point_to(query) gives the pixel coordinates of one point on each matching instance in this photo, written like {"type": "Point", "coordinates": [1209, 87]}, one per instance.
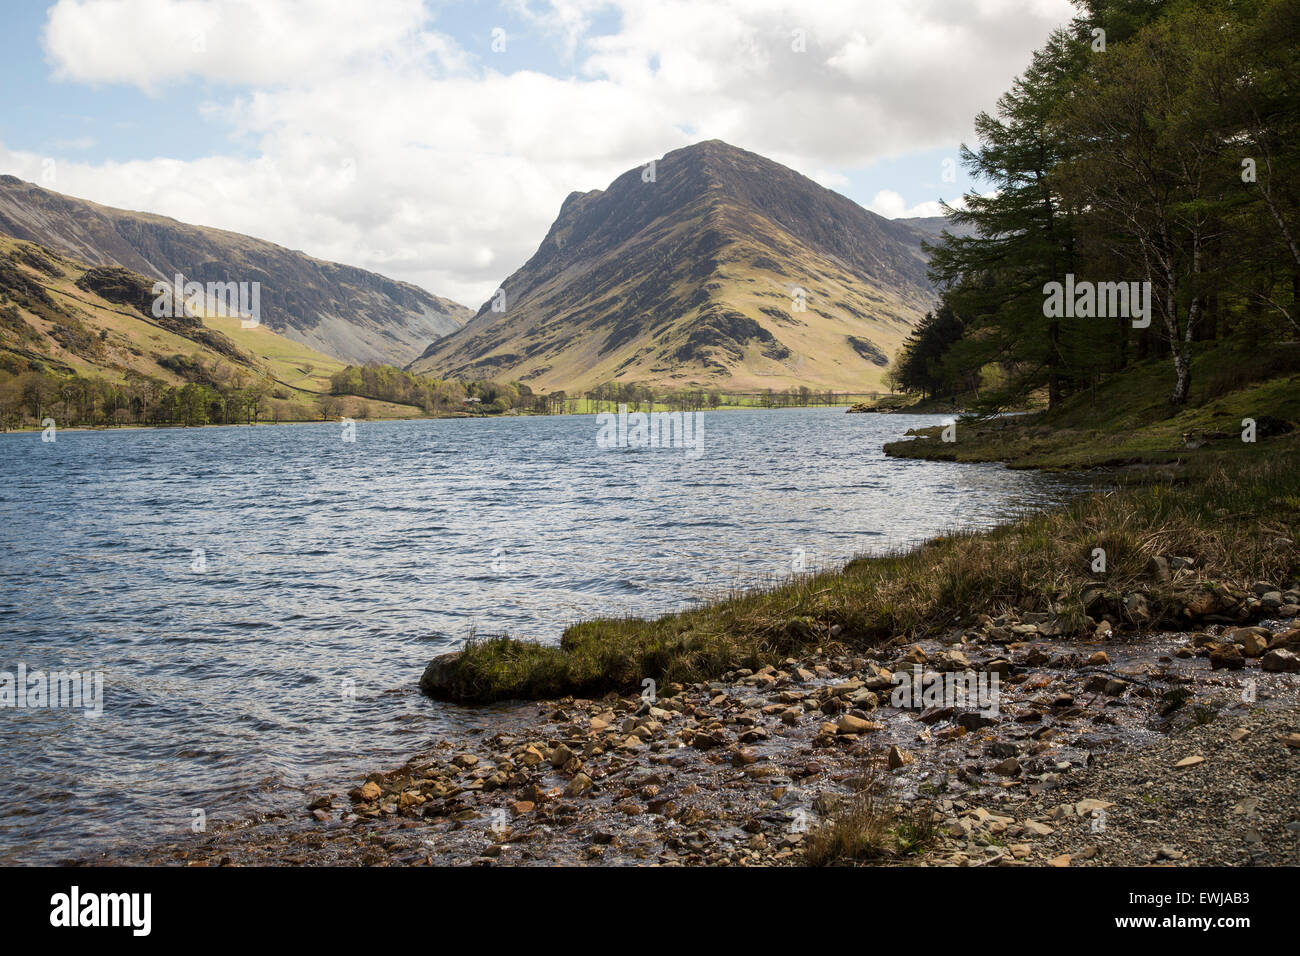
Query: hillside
{"type": "Point", "coordinates": [339, 310]}
{"type": "Point", "coordinates": [1128, 421]}
{"type": "Point", "coordinates": [692, 279]}
{"type": "Point", "coordinates": [64, 318]}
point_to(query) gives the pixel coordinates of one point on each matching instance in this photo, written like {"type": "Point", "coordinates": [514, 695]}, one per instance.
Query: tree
{"type": "Point", "coordinates": [1024, 234]}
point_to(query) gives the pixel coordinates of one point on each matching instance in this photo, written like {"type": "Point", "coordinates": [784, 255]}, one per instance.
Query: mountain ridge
{"type": "Point", "coordinates": [340, 310]}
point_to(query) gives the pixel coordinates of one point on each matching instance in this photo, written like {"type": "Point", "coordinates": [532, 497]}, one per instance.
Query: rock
{"type": "Point", "coordinates": [705, 740]}
{"type": "Point", "coordinates": [916, 655]}
{"type": "Point", "coordinates": [899, 758]}
{"type": "Point", "coordinates": [1062, 860]}
{"type": "Point", "coordinates": [1100, 659]}
{"type": "Point", "coordinates": [848, 724]}
{"type": "Point", "coordinates": [561, 755]}
{"type": "Point", "coordinates": [436, 681]}
{"type": "Point", "coordinates": [1158, 568]}
{"type": "Point", "coordinates": [1096, 684]}
{"type": "Point", "coordinates": [1280, 662]}
{"type": "Point", "coordinates": [1115, 687]}
{"type": "Point", "coordinates": [953, 660]}
{"type": "Point", "coordinates": [1291, 740]}
{"type": "Point", "coordinates": [1091, 805]}
{"type": "Point", "coordinates": [1193, 761]}
{"type": "Point", "coordinates": [1226, 657]}
{"type": "Point", "coordinates": [974, 720]}
{"type": "Point", "coordinates": [1255, 644]}
{"type": "Point", "coordinates": [1168, 852]}
{"type": "Point", "coordinates": [1007, 768]}
{"type": "Point", "coordinates": [580, 784]}
{"type": "Point", "coordinates": [367, 792]}
{"type": "Point", "coordinates": [1136, 609]}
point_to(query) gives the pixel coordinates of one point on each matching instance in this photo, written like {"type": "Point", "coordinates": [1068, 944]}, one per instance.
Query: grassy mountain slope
{"type": "Point", "coordinates": [339, 310]}
{"type": "Point", "coordinates": [691, 280]}
{"type": "Point", "coordinates": [66, 317]}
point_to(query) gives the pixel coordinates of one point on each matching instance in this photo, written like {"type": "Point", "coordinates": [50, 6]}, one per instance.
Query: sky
{"type": "Point", "coordinates": [434, 140]}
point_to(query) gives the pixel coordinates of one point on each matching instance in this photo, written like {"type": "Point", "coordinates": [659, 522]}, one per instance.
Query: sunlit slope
{"type": "Point", "coordinates": [333, 308]}
{"type": "Point", "coordinates": [63, 316]}
{"type": "Point", "coordinates": [723, 269]}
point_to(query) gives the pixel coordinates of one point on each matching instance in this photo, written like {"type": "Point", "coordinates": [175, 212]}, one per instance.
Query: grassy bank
{"type": "Point", "coordinates": [1236, 513]}
{"type": "Point", "coordinates": [1128, 420]}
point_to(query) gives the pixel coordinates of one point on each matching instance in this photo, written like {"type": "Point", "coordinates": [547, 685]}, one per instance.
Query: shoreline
{"type": "Point", "coordinates": [459, 416]}
{"type": "Point", "coordinates": [797, 755]}
{"type": "Point", "coordinates": [753, 770]}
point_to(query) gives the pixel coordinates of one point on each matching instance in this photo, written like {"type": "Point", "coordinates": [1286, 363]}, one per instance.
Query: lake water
{"type": "Point", "coordinates": [261, 601]}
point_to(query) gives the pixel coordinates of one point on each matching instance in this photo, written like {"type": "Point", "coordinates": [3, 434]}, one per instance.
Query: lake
{"type": "Point", "coordinates": [261, 601]}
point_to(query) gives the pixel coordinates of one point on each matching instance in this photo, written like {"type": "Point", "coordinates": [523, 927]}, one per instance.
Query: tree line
{"type": "Point", "coordinates": [1149, 148]}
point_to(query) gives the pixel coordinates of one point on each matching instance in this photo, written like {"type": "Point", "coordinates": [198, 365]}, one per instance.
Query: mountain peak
{"type": "Point", "coordinates": [694, 272]}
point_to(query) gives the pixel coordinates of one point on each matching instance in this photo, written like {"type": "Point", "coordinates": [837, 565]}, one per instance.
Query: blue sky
{"type": "Point", "coordinates": [392, 135]}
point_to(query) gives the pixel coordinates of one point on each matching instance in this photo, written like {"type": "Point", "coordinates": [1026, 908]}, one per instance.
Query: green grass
{"type": "Point", "coordinates": [1224, 511]}
{"type": "Point", "coordinates": [1128, 420]}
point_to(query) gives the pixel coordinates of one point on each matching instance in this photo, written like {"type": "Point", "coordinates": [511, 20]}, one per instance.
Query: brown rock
{"type": "Point", "coordinates": [1280, 662]}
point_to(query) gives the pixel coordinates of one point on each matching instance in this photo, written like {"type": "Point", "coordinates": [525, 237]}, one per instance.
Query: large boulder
{"type": "Point", "coordinates": [436, 680]}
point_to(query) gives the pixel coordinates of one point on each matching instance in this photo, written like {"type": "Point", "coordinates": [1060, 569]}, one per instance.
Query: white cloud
{"type": "Point", "coordinates": [891, 205]}
{"type": "Point", "coordinates": [382, 142]}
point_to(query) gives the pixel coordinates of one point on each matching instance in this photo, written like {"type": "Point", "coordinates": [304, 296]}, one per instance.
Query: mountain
{"type": "Point", "coordinates": [339, 310]}
{"type": "Point", "coordinates": [690, 276]}
{"type": "Point", "coordinates": [931, 227]}
{"type": "Point", "coordinates": [63, 316]}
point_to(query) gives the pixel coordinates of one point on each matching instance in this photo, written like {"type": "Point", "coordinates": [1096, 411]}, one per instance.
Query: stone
{"type": "Point", "coordinates": [1099, 659]}
{"type": "Point", "coordinates": [848, 724]}
{"type": "Point", "coordinates": [1091, 805]}
{"type": "Point", "coordinates": [899, 758]}
{"type": "Point", "coordinates": [580, 784]}
{"type": "Point", "coordinates": [1280, 662]}
{"type": "Point", "coordinates": [1253, 645]}
{"type": "Point", "coordinates": [1226, 657]}
{"type": "Point", "coordinates": [1291, 740]}
{"type": "Point", "coordinates": [366, 793]}
{"type": "Point", "coordinates": [1136, 608]}
{"type": "Point", "coordinates": [705, 740]}
{"type": "Point", "coordinates": [1007, 768]}
{"type": "Point", "coordinates": [436, 681]}
{"type": "Point", "coordinates": [1193, 761]}
{"type": "Point", "coordinates": [974, 720]}
{"type": "Point", "coordinates": [1062, 860]}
